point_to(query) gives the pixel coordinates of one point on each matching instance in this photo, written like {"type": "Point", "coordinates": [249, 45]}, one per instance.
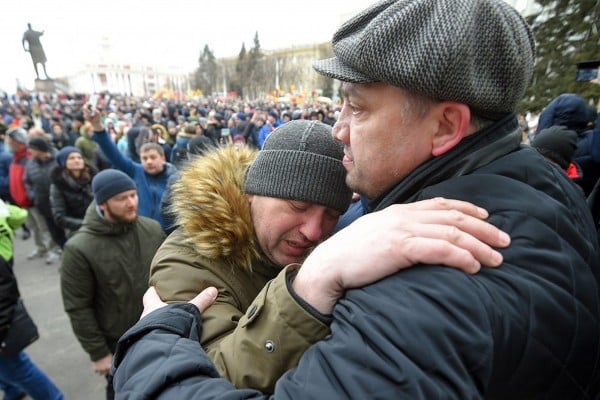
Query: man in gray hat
{"type": "Point", "coordinates": [246, 220]}
{"type": "Point", "coordinates": [430, 88]}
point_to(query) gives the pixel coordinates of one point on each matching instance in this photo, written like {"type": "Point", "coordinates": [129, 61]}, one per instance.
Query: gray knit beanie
{"type": "Point", "coordinates": [476, 52]}
{"type": "Point", "coordinates": [300, 160]}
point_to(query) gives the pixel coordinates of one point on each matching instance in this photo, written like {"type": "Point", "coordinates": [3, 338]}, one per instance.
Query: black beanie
{"type": "Point", "coordinates": [109, 183]}
{"type": "Point", "coordinates": [556, 143]}
{"type": "Point", "coordinates": [300, 160]}
{"type": "Point", "coordinates": [40, 144]}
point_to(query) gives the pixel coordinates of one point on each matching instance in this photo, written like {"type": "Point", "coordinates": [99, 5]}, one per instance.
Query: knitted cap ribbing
{"type": "Point", "coordinates": [300, 160]}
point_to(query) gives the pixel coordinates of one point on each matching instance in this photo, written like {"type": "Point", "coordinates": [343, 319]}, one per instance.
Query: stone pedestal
{"type": "Point", "coordinates": [44, 85]}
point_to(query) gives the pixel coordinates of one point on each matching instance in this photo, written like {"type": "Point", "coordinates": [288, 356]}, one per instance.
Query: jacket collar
{"type": "Point", "coordinates": [213, 212]}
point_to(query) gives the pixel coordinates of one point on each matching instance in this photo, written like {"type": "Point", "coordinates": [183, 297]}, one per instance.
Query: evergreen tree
{"type": "Point", "coordinates": [566, 32]}
{"type": "Point", "coordinates": [241, 66]}
{"type": "Point", "coordinates": [206, 73]}
{"type": "Point", "coordinates": [255, 78]}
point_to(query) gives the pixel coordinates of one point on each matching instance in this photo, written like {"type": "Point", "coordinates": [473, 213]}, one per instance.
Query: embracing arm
{"type": "Point", "coordinates": [272, 332]}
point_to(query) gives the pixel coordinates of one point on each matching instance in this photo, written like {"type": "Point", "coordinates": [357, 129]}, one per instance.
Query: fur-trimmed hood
{"type": "Point", "coordinates": [212, 209]}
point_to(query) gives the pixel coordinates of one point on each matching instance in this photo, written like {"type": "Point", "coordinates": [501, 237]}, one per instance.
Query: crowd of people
{"type": "Point", "coordinates": [415, 241]}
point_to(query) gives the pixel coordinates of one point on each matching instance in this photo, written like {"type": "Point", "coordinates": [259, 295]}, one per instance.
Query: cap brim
{"type": "Point", "coordinates": [334, 68]}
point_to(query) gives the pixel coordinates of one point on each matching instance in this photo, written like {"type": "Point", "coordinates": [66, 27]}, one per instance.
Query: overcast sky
{"type": "Point", "coordinates": [170, 32]}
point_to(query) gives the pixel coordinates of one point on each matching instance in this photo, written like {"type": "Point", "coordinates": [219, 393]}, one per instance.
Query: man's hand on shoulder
{"type": "Point", "coordinates": [436, 231]}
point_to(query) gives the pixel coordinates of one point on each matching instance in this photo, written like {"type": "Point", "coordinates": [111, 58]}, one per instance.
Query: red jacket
{"type": "Point", "coordinates": [16, 184]}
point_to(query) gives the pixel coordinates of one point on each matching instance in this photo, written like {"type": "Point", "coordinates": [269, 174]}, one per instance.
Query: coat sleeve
{"type": "Point", "coordinates": [9, 294]}
{"type": "Point", "coordinates": [369, 355]}
{"type": "Point", "coordinates": [273, 332]}
{"type": "Point", "coordinates": [77, 288]}
{"type": "Point", "coordinates": [160, 358]}
{"type": "Point", "coordinates": [114, 156]}
{"type": "Point", "coordinates": [59, 210]}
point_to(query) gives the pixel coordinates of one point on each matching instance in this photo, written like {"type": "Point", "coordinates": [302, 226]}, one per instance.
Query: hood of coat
{"type": "Point", "coordinates": [212, 209]}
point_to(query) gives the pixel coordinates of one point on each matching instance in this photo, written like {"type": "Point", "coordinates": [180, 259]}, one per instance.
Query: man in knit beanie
{"type": "Point", "coordinates": [245, 220]}
{"type": "Point", "coordinates": [430, 89]}
{"type": "Point", "coordinates": [105, 266]}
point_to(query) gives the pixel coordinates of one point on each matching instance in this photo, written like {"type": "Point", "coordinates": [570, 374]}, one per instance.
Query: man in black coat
{"type": "Point", "coordinates": [430, 90]}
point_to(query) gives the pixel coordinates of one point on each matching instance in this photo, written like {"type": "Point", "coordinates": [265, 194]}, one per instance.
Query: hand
{"type": "Point", "coordinates": [102, 366]}
{"type": "Point", "coordinates": [202, 301]}
{"type": "Point", "coordinates": [94, 118]}
{"type": "Point", "coordinates": [435, 231]}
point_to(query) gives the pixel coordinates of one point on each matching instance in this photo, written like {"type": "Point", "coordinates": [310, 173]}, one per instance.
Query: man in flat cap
{"type": "Point", "coordinates": [430, 90]}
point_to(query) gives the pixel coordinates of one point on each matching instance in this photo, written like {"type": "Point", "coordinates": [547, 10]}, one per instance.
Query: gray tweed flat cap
{"type": "Point", "coordinates": [477, 52]}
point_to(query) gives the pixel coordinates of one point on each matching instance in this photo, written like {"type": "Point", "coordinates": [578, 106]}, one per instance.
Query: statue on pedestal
{"type": "Point", "coordinates": [35, 49]}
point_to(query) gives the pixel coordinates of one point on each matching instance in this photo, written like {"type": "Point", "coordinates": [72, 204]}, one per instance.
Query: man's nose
{"type": "Point", "coordinates": [312, 228]}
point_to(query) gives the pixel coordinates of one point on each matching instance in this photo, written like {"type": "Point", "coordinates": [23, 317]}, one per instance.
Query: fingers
{"type": "Point", "coordinates": [449, 245]}
{"type": "Point", "coordinates": [150, 297]}
{"type": "Point", "coordinates": [441, 252]}
{"type": "Point", "coordinates": [205, 298]}
{"type": "Point", "coordinates": [462, 215]}
{"type": "Point", "coordinates": [151, 301]}
{"type": "Point", "coordinates": [440, 203]}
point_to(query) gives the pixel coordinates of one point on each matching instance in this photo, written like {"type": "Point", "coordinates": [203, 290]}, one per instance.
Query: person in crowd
{"type": "Point", "coordinates": [196, 146]}
{"type": "Point", "coordinates": [19, 376]}
{"type": "Point", "coordinates": [253, 130]}
{"type": "Point", "coordinates": [74, 128]}
{"type": "Point", "coordinates": [105, 267]}
{"type": "Point", "coordinates": [17, 142]}
{"type": "Point", "coordinates": [214, 127]}
{"type": "Point", "coordinates": [5, 161]}
{"type": "Point", "coordinates": [59, 138]}
{"type": "Point", "coordinates": [571, 111]}
{"type": "Point", "coordinates": [421, 119]}
{"type": "Point", "coordinates": [70, 188]}
{"type": "Point", "coordinates": [37, 184]}
{"type": "Point", "coordinates": [150, 176]}
{"type": "Point", "coordinates": [90, 150]}
{"type": "Point", "coordinates": [558, 145]}
{"type": "Point", "coordinates": [188, 131]}
{"type": "Point", "coordinates": [272, 122]}
{"type": "Point", "coordinates": [242, 217]}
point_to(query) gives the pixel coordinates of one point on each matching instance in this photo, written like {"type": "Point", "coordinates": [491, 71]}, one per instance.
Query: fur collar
{"type": "Point", "coordinates": [211, 207]}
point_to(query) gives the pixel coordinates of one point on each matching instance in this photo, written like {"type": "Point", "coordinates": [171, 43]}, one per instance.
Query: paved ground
{"type": "Point", "coordinates": [57, 352]}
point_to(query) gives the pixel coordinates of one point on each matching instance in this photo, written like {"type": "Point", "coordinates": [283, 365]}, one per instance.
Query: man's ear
{"type": "Point", "coordinates": [454, 119]}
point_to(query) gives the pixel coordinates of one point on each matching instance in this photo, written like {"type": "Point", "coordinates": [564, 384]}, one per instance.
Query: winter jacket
{"type": "Point", "coordinates": [528, 329]}
{"type": "Point", "coordinates": [5, 161]}
{"type": "Point", "coordinates": [70, 198]}
{"type": "Point", "coordinates": [103, 277]}
{"type": "Point", "coordinates": [16, 173]}
{"type": "Point", "coordinates": [37, 183]}
{"type": "Point", "coordinates": [150, 188]}
{"type": "Point", "coordinates": [215, 245]}
{"type": "Point", "coordinates": [11, 217]}
{"type": "Point", "coordinates": [571, 110]}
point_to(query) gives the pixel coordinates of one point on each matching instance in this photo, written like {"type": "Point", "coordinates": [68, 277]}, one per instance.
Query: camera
{"type": "Point", "coordinates": [587, 71]}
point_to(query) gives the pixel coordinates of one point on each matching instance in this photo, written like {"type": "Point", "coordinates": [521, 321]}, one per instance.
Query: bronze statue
{"type": "Point", "coordinates": [35, 49]}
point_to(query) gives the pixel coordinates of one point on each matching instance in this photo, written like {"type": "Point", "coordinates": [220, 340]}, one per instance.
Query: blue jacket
{"type": "Point", "coordinates": [5, 160]}
{"type": "Point", "coordinates": [528, 329]}
{"type": "Point", "coordinates": [150, 188]}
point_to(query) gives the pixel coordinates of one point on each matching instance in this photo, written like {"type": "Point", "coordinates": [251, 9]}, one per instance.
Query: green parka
{"type": "Point", "coordinates": [256, 330]}
{"type": "Point", "coordinates": [104, 274]}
